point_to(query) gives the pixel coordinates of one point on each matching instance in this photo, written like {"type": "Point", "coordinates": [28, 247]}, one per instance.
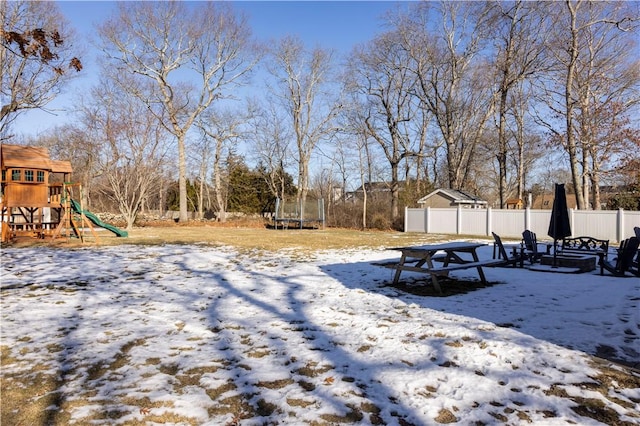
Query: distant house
{"type": "Point", "coordinates": [373, 189]}
{"type": "Point", "coordinates": [452, 198]}
{"type": "Point", "coordinates": [545, 201]}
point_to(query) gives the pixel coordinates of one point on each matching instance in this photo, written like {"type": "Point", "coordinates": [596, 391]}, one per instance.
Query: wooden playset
{"type": "Point", "coordinates": [37, 200]}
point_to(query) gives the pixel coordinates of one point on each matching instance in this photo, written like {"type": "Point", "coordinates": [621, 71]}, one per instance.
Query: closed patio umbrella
{"type": "Point", "coordinates": [559, 226]}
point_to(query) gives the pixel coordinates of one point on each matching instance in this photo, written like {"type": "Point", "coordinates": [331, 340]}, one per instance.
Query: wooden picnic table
{"type": "Point", "coordinates": [421, 259]}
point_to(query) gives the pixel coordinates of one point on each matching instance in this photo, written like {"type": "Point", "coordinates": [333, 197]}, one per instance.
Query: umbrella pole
{"type": "Point", "coordinates": [555, 232]}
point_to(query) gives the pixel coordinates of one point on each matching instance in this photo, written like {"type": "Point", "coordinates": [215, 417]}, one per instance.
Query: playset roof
{"type": "Point", "coordinates": [31, 157]}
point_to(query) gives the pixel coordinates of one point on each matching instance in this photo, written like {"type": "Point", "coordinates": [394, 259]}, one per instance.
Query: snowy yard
{"type": "Point", "coordinates": [204, 335]}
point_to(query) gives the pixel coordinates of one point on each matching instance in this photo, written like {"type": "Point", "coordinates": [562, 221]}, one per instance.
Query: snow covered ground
{"type": "Point", "coordinates": [217, 336]}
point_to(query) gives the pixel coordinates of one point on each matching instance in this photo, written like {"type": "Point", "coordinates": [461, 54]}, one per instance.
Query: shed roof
{"type": "Point", "coordinates": [31, 157]}
{"type": "Point", "coordinates": [455, 195]}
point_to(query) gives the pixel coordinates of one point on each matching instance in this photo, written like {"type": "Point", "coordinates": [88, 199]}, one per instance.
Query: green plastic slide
{"type": "Point", "coordinates": [96, 220]}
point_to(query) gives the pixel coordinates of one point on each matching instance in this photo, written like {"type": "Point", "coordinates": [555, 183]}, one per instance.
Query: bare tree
{"type": "Point", "coordinates": [341, 159]}
{"type": "Point", "coordinates": [202, 156]}
{"type": "Point", "coordinates": [579, 21]}
{"type": "Point", "coordinates": [529, 147]}
{"type": "Point", "coordinates": [364, 172]}
{"type": "Point", "coordinates": [610, 91]}
{"type": "Point", "coordinates": [271, 135]}
{"type": "Point", "coordinates": [358, 147]}
{"type": "Point", "coordinates": [189, 54]}
{"type": "Point", "coordinates": [517, 31]}
{"type": "Point", "coordinates": [378, 73]}
{"type": "Point", "coordinates": [303, 79]}
{"type": "Point", "coordinates": [426, 149]}
{"type": "Point", "coordinates": [133, 146]}
{"type": "Point", "coordinates": [452, 80]}
{"type": "Point", "coordinates": [35, 57]}
{"type": "Point", "coordinates": [220, 129]}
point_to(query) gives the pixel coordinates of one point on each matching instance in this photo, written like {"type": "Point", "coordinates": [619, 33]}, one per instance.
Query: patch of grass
{"type": "Point", "coordinates": [592, 407]}
{"type": "Point", "coordinates": [304, 241]}
{"type": "Point", "coordinates": [5, 355]}
{"type": "Point", "coordinates": [258, 353]}
{"type": "Point", "coordinates": [238, 405]}
{"type": "Point", "coordinates": [313, 370]}
{"type": "Point", "coordinates": [215, 394]}
{"type": "Point", "coordinates": [275, 384]}
{"type": "Point", "coordinates": [296, 402]}
{"type": "Point", "coordinates": [445, 416]}
{"type": "Point", "coordinates": [32, 399]}
{"type": "Point", "coordinates": [354, 415]}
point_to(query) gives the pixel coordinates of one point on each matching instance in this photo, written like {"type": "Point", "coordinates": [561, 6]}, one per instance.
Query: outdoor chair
{"type": "Point", "coordinates": [635, 266]}
{"type": "Point", "coordinates": [517, 256]}
{"type": "Point", "coordinates": [624, 262]}
{"type": "Point", "coordinates": [531, 246]}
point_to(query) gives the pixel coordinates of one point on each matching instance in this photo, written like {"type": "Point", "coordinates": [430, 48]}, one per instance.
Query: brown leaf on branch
{"type": "Point", "coordinates": [75, 64]}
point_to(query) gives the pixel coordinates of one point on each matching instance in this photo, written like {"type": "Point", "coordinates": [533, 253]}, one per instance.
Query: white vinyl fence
{"type": "Point", "coordinates": [612, 225]}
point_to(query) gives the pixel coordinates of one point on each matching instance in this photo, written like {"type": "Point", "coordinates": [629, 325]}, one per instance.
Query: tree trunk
{"type": "Point", "coordinates": [394, 191]}
{"type": "Point", "coordinates": [182, 179]}
{"type": "Point", "coordinates": [502, 143]}
{"type": "Point", "coordinates": [569, 106]}
{"type": "Point", "coordinates": [217, 184]}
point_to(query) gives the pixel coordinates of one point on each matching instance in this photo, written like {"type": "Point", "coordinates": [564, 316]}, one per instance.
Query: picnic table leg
{"type": "Point", "coordinates": [434, 277]}
{"type": "Point", "coordinates": [396, 277]}
{"type": "Point", "coordinates": [481, 273]}
{"type": "Point", "coordinates": [435, 283]}
{"type": "Point", "coordinates": [479, 268]}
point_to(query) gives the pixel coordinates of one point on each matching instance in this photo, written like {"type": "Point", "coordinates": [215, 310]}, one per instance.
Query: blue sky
{"type": "Point", "coordinates": [338, 25]}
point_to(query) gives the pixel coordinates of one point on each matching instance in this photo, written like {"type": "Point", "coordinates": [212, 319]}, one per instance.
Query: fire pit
{"type": "Point", "coordinates": [581, 262]}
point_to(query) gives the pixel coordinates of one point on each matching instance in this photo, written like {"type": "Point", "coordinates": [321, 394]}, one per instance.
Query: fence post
{"type": "Point", "coordinates": [489, 220]}
{"type": "Point", "coordinates": [527, 218]}
{"type": "Point", "coordinates": [571, 221]}
{"type": "Point", "coordinates": [427, 219]}
{"type": "Point", "coordinates": [459, 220]}
{"type": "Point", "coordinates": [620, 225]}
{"type": "Point", "coordinates": [406, 217]}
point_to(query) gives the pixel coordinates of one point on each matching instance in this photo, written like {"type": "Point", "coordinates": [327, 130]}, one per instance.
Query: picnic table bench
{"type": "Point", "coordinates": [421, 259]}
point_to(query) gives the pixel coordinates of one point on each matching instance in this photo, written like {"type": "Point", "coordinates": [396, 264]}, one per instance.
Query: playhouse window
{"type": "Point", "coordinates": [16, 174]}
{"type": "Point", "coordinates": [40, 176]}
{"type": "Point", "coordinates": [28, 175]}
